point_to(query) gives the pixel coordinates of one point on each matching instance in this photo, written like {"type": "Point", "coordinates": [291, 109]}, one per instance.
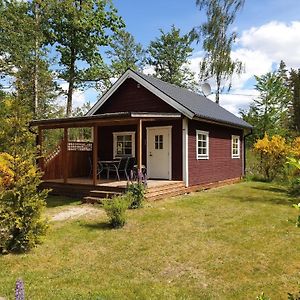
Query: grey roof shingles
{"type": "Point", "coordinates": [199, 105]}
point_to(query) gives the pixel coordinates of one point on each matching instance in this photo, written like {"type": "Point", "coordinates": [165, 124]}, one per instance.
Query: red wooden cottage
{"type": "Point", "coordinates": [184, 141]}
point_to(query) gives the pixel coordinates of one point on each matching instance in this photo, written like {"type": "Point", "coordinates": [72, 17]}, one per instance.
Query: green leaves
{"type": "Point", "coordinates": [21, 204]}
{"type": "Point", "coordinates": [217, 42]}
{"type": "Point", "coordinates": [77, 29]}
{"type": "Point", "coordinates": [169, 56]}
{"type": "Point", "coordinates": [125, 53]}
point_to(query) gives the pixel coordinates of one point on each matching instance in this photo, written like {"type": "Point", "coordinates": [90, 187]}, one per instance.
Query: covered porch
{"type": "Point", "coordinates": [75, 163]}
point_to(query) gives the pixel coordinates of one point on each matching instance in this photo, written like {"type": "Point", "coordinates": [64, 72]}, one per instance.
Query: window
{"type": "Point", "coordinates": [159, 142]}
{"type": "Point", "coordinates": [124, 144]}
{"type": "Point", "coordinates": [235, 146]}
{"type": "Point", "coordinates": [202, 146]}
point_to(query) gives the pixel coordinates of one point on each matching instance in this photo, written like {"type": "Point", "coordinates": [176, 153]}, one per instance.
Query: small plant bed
{"type": "Point", "coordinates": [233, 242]}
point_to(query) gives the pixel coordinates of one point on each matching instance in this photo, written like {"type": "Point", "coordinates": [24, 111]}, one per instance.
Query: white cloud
{"type": "Point", "coordinates": [255, 62]}
{"type": "Point", "coordinates": [259, 49]}
{"type": "Point", "coordinates": [277, 40]}
{"type": "Point", "coordinates": [236, 100]}
{"type": "Point", "coordinates": [79, 97]}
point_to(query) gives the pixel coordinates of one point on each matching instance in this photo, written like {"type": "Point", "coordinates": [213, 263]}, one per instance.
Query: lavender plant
{"type": "Point", "coordinates": [20, 291]}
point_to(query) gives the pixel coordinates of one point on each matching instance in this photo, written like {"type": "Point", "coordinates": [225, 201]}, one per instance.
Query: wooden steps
{"type": "Point", "coordinates": [164, 191]}
{"type": "Point", "coordinates": [103, 192]}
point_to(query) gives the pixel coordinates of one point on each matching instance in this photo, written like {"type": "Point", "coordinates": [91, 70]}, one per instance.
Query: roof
{"type": "Point", "coordinates": [101, 118]}
{"type": "Point", "coordinates": [201, 106]}
{"type": "Point", "coordinates": [190, 104]}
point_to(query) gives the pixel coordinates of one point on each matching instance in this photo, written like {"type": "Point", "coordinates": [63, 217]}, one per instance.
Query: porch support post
{"type": "Point", "coordinates": [40, 144]}
{"type": "Point", "coordinates": [139, 145]}
{"type": "Point", "coordinates": [95, 154]}
{"type": "Point", "coordinates": [65, 155]}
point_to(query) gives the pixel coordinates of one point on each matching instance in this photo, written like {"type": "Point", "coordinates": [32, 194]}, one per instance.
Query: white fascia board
{"type": "Point", "coordinates": [148, 86]}
{"type": "Point", "coordinates": [162, 95]}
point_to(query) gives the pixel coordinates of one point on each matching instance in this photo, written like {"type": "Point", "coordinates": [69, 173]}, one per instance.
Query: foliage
{"type": "Point", "coordinates": [20, 291]}
{"type": "Point", "coordinates": [294, 296]}
{"type": "Point", "coordinates": [21, 204]}
{"type": "Point", "coordinates": [273, 152]}
{"type": "Point", "coordinates": [23, 62]}
{"type": "Point", "coordinates": [294, 83]}
{"type": "Point", "coordinates": [136, 193]}
{"type": "Point", "coordinates": [115, 209]}
{"type": "Point", "coordinates": [6, 173]}
{"type": "Point", "coordinates": [169, 55]}
{"type": "Point", "coordinates": [297, 206]}
{"type": "Point", "coordinates": [262, 296]}
{"type": "Point", "coordinates": [295, 182]}
{"type": "Point", "coordinates": [77, 29]}
{"type": "Point", "coordinates": [269, 111]}
{"type": "Point", "coordinates": [125, 53]}
{"type": "Point", "coordinates": [218, 39]}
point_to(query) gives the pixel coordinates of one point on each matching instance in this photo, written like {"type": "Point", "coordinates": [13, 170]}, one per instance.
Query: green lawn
{"type": "Point", "coordinates": [227, 243]}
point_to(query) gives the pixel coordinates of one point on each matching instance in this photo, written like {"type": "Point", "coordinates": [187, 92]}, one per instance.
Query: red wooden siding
{"type": "Point", "coordinates": [105, 147]}
{"type": "Point", "coordinates": [129, 97]}
{"type": "Point", "coordinates": [105, 140]}
{"type": "Point", "coordinates": [220, 166]}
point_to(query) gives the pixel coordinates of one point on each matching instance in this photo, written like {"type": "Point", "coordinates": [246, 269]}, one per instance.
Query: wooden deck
{"type": "Point", "coordinates": [83, 187]}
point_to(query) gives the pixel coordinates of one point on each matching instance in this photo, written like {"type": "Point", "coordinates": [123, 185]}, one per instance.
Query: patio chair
{"type": "Point", "coordinates": [120, 167]}
{"type": "Point", "coordinates": [99, 168]}
{"type": "Point", "coordinates": [130, 168]}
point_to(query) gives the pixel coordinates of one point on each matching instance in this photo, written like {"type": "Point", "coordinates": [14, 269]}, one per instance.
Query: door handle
{"type": "Point", "coordinates": [150, 154]}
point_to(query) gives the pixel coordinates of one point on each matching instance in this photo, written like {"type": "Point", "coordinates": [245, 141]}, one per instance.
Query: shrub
{"type": "Point", "coordinates": [294, 296]}
{"type": "Point", "coordinates": [295, 181]}
{"type": "Point", "coordinates": [262, 297]}
{"type": "Point", "coordinates": [136, 195]}
{"type": "Point", "coordinates": [273, 154]}
{"type": "Point", "coordinates": [21, 204]}
{"type": "Point", "coordinates": [115, 209]}
{"type": "Point", "coordinates": [297, 206]}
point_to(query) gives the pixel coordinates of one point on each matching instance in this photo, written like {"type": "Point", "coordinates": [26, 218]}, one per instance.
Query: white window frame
{"type": "Point", "coordinates": [202, 156]}
{"type": "Point", "coordinates": [123, 133]}
{"type": "Point", "coordinates": [238, 155]}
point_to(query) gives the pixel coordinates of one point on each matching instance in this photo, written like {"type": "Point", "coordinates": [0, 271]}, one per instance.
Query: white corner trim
{"type": "Point", "coordinates": [185, 151]}
{"type": "Point", "coordinates": [199, 156]}
{"type": "Point", "coordinates": [148, 86]}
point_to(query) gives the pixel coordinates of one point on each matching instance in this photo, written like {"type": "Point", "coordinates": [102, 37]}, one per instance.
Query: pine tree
{"type": "Point", "coordinates": [125, 53]}
{"type": "Point", "coordinates": [169, 55]}
{"type": "Point", "coordinates": [23, 55]}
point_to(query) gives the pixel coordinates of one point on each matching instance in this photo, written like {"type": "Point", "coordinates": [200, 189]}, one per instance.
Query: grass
{"type": "Point", "coordinates": [228, 243]}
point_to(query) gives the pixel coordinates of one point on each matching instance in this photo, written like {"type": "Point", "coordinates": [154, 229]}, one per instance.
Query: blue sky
{"type": "Point", "coordinates": [269, 30]}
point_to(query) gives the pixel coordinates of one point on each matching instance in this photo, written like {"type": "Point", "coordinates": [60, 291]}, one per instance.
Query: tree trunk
{"type": "Point", "coordinates": [36, 61]}
{"type": "Point", "coordinates": [71, 83]}
{"type": "Point", "coordinates": [218, 89]}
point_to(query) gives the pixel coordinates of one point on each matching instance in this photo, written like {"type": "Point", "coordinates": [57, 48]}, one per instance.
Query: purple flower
{"type": "Point", "coordinates": [20, 292]}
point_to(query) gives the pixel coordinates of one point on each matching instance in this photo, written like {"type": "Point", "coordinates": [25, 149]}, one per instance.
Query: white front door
{"type": "Point", "coordinates": [159, 152]}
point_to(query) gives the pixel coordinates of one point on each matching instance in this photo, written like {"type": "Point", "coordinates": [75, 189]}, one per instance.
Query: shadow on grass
{"type": "Point", "coordinates": [98, 226]}
{"type": "Point", "coordinates": [55, 201]}
{"type": "Point", "coordinates": [280, 195]}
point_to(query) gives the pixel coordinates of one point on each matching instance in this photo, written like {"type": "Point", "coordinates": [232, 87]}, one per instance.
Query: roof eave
{"type": "Point", "coordinates": [222, 123]}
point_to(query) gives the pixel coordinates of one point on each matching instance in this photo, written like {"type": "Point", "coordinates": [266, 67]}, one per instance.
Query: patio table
{"type": "Point", "coordinates": [107, 164]}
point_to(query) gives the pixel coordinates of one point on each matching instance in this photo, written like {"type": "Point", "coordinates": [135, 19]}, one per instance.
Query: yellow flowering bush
{"type": "Point", "coordinates": [273, 152]}
{"type": "Point", "coordinates": [295, 151]}
{"type": "Point", "coordinates": [6, 174]}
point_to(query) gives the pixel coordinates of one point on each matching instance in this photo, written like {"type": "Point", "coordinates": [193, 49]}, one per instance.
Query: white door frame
{"type": "Point", "coordinates": [170, 147]}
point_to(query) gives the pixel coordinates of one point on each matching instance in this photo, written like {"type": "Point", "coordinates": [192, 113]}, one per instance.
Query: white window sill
{"type": "Point", "coordinates": [202, 157]}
